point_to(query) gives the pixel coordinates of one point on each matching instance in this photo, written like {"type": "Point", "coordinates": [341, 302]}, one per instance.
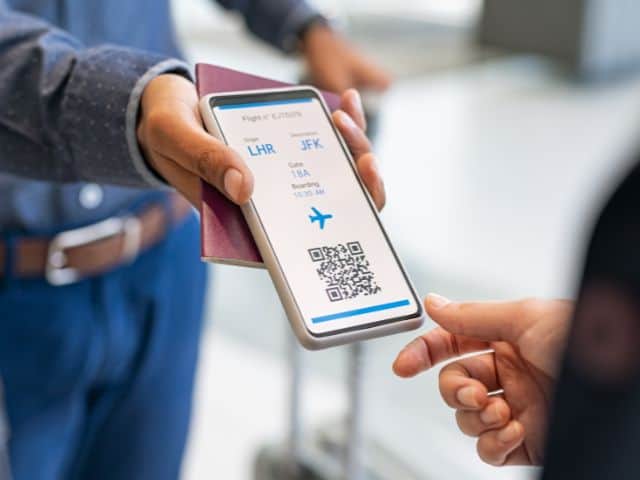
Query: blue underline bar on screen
{"type": "Point", "coordinates": [361, 311]}
{"type": "Point", "coordinates": [233, 106]}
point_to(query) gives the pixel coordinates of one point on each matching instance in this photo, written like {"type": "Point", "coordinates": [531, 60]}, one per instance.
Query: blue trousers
{"type": "Point", "coordinates": [99, 375]}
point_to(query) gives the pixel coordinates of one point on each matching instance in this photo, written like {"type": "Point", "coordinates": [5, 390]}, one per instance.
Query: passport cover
{"type": "Point", "coordinates": [225, 235]}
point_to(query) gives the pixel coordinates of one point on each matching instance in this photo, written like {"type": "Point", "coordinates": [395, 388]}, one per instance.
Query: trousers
{"type": "Point", "coordinates": [98, 375]}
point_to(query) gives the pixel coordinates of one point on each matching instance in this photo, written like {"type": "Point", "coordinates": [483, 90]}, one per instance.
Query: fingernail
{"type": "Point", "coordinates": [413, 347]}
{"type": "Point", "coordinates": [490, 415]}
{"type": "Point", "coordinates": [357, 100]}
{"type": "Point", "coordinates": [467, 397]}
{"type": "Point", "coordinates": [346, 120]}
{"type": "Point", "coordinates": [233, 183]}
{"type": "Point", "coordinates": [437, 301]}
{"type": "Point", "coordinates": [509, 434]}
{"type": "Point", "coordinates": [375, 167]}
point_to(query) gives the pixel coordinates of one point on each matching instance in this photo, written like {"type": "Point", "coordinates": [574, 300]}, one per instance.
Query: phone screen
{"type": "Point", "coordinates": [338, 262]}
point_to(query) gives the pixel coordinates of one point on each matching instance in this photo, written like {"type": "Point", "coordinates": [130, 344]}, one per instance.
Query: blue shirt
{"type": "Point", "coordinates": [71, 76]}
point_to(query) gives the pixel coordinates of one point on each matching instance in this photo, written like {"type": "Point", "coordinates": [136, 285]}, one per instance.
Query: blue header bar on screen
{"type": "Point", "coordinates": [264, 104]}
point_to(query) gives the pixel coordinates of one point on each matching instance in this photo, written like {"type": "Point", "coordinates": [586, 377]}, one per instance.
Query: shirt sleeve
{"type": "Point", "coordinates": [275, 21]}
{"type": "Point", "coordinates": [69, 113]}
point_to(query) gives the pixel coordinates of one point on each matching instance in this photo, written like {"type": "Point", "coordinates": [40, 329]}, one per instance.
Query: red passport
{"type": "Point", "coordinates": [225, 235]}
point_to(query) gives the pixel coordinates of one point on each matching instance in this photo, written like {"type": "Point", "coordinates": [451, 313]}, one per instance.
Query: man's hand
{"type": "Point", "coordinates": [177, 147]}
{"type": "Point", "coordinates": [527, 338]}
{"type": "Point", "coordinates": [335, 65]}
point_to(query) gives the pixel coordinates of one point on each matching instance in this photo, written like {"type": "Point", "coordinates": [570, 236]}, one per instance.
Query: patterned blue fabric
{"type": "Point", "coordinates": [71, 73]}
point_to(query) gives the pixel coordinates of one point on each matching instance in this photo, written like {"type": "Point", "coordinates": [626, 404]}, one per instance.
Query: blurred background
{"type": "Point", "coordinates": [507, 124]}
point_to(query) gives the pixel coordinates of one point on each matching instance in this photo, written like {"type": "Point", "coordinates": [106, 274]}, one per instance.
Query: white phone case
{"type": "Point", "coordinates": [306, 338]}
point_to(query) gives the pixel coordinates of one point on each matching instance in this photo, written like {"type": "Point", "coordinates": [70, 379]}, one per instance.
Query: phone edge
{"type": "Point", "coordinates": [306, 338]}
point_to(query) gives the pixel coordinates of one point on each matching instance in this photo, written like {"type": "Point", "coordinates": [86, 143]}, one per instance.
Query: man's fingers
{"type": "Point", "coordinates": [465, 384]}
{"type": "Point", "coordinates": [369, 75]}
{"type": "Point", "coordinates": [187, 183]}
{"type": "Point", "coordinates": [495, 446]}
{"type": "Point", "coordinates": [489, 321]}
{"type": "Point", "coordinates": [434, 347]}
{"type": "Point", "coordinates": [179, 135]}
{"type": "Point", "coordinates": [494, 415]}
{"type": "Point", "coordinates": [328, 77]}
{"type": "Point", "coordinates": [351, 104]}
{"type": "Point", "coordinates": [483, 368]}
{"type": "Point", "coordinates": [170, 130]}
{"type": "Point", "coordinates": [351, 127]}
{"type": "Point", "coordinates": [353, 135]}
{"type": "Point", "coordinates": [461, 391]}
{"type": "Point", "coordinates": [368, 170]}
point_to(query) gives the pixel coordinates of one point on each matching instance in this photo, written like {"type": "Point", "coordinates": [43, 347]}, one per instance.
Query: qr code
{"type": "Point", "coordinates": [345, 271]}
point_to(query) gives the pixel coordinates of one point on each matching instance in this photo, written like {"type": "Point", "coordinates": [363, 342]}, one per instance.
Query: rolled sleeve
{"type": "Point", "coordinates": [298, 17]}
{"type": "Point", "coordinates": [275, 21]}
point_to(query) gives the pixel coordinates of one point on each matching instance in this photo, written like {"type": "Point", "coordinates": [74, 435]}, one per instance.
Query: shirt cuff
{"type": "Point", "coordinates": [99, 114]}
{"type": "Point", "coordinates": [133, 108]}
{"type": "Point", "coordinates": [298, 18]}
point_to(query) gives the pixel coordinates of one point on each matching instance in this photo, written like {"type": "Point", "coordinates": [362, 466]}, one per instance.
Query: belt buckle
{"type": "Point", "coordinates": [58, 273]}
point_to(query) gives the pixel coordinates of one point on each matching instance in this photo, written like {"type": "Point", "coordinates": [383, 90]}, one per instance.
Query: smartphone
{"type": "Point", "coordinates": [317, 229]}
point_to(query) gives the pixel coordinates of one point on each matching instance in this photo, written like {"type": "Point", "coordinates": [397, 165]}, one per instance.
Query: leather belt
{"type": "Point", "coordinates": [75, 254]}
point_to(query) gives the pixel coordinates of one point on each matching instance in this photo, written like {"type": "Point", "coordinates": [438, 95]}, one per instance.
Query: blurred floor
{"type": "Point", "coordinates": [241, 405]}
{"type": "Point", "coordinates": [494, 167]}
{"type": "Point", "coordinates": [242, 395]}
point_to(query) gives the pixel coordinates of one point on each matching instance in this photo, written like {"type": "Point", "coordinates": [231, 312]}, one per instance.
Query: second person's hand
{"type": "Point", "coordinates": [335, 65]}
{"type": "Point", "coordinates": [177, 146]}
{"type": "Point", "coordinates": [527, 338]}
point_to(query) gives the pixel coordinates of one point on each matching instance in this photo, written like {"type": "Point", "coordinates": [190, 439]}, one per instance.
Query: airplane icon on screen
{"type": "Point", "coordinates": [319, 217]}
